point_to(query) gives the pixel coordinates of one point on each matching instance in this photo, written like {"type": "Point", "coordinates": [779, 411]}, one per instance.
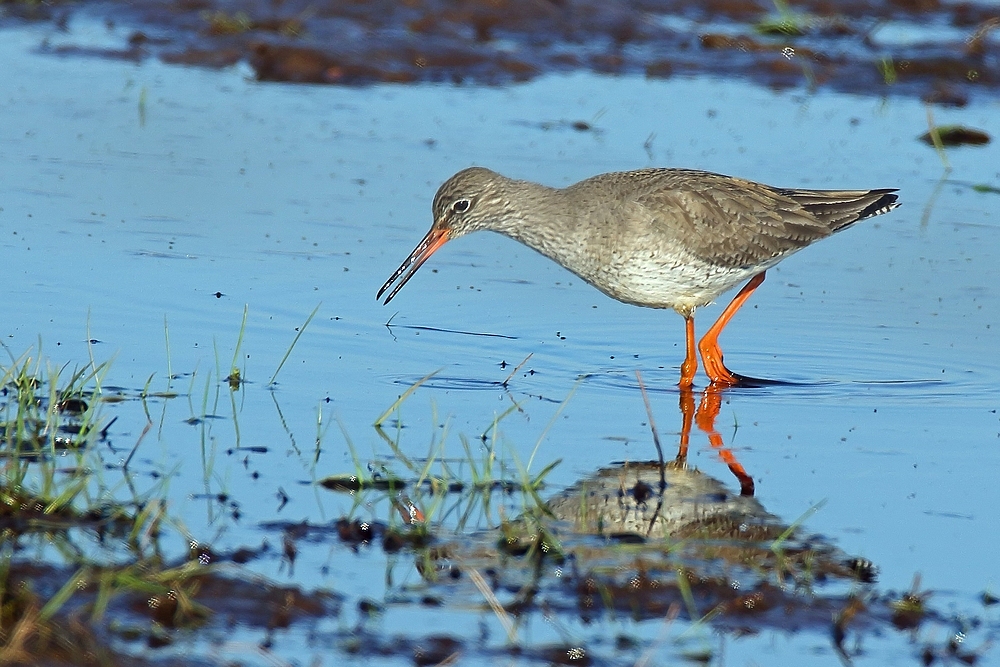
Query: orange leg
{"type": "Point", "coordinates": [711, 354]}
{"type": "Point", "coordinates": [690, 365]}
{"type": "Point", "coordinates": [708, 410]}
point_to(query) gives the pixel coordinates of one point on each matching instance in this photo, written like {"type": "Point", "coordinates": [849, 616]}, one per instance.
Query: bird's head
{"type": "Point", "coordinates": [467, 202]}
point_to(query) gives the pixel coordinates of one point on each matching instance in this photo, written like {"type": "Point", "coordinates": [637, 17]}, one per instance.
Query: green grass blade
{"type": "Point", "coordinates": [405, 395]}
{"type": "Point", "coordinates": [295, 340]}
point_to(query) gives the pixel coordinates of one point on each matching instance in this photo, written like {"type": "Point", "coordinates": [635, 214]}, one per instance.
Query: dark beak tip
{"type": "Point", "coordinates": [411, 264]}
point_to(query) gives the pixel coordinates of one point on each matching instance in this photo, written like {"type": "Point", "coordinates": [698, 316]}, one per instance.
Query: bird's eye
{"type": "Point", "coordinates": [461, 205]}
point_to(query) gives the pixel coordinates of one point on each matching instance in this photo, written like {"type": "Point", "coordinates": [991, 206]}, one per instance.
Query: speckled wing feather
{"type": "Point", "coordinates": [736, 223]}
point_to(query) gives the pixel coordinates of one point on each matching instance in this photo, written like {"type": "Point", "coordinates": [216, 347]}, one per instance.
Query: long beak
{"type": "Point", "coordinates": [430, 243]}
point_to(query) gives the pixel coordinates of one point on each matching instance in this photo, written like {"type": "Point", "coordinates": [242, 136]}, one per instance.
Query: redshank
{"type": "Point", "coordinates": [660, 238]}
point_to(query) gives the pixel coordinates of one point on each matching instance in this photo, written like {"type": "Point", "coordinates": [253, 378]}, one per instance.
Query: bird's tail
{"type": "Point", "coordinates": [841, 208]}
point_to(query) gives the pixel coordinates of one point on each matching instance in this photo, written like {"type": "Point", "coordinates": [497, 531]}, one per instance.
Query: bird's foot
{"type": "Point", "coordinates": [718, 373]}
{"type": "Point", "coordinates": [745, 381]}
{"type": "Point", "coordinates": [731, 380]}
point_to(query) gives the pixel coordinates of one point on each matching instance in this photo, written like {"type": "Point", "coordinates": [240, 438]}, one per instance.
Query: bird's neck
{"type": "Point", "coordinates": [541, 218]}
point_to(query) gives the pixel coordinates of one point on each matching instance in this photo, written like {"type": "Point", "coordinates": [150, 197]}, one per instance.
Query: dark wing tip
{"type": "Point", "coordinates": [883, 204]}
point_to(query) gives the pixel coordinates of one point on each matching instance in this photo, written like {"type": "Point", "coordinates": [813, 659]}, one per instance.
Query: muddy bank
{"type": "Point", "coordinates": [941, 52]}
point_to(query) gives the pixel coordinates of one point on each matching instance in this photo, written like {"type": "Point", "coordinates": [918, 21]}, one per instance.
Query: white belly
{"type": "Point", "coordinates": [668, 280]}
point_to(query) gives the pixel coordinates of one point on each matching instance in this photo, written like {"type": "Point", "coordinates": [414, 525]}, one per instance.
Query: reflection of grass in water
{"type": "Point", "coordinates": [43, 415]}
{"type": "Point", "coordinates": [472, 481]}
{"type": "Point", "coordinates": [46, 412]}
{"type": "Point", "coordinates": [693, 570]}
{"type": "Point", "coordinates": [934, 135]}
{"type": "Point", "coordinates": [101, 540]}
{"type": "Point", "coordinates": [438, 508]}
{"type": "Point", "coordinates": [436, 498]}
{"type": "Point", "coordinates": [46, 415]}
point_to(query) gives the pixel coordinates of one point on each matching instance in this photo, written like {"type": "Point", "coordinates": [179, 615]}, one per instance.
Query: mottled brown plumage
{"type": "Point", "coordinates": [661, 238]}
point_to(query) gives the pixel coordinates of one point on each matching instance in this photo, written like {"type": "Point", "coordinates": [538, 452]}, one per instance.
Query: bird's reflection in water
{"type": "Point", "coordinates": [666, 497]}
{"type": "Point", "coordinates": [704, 417]}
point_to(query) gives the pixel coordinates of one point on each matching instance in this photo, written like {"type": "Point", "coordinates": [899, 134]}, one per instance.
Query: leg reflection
{"type": "Point", "coordinates": [704, 417]}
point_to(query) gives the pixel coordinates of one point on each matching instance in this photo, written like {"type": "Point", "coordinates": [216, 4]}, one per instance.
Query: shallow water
{"type": "Point", "coordinates": [132, 194]}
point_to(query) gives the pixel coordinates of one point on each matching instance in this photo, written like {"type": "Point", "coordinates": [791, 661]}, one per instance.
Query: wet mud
{"type": "Point", "coordinates": [941, 52]}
